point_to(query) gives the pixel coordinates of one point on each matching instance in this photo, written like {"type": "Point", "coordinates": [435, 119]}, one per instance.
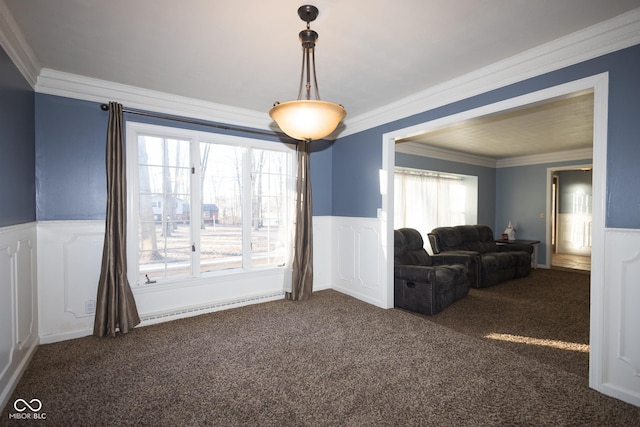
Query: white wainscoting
{"type": "Point", "coordinates": [18, 304]}
{"type": "Point", "coordinates": [322, 252]}
{"type": "Point", "coordinates": [69, 259]}
{"type": "Point", "coordinates": [357, 259]}
{"type": "Point", "coordinates": [618, 302]}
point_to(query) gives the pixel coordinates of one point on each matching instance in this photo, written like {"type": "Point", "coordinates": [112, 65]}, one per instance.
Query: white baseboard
{"type": "Point", "coordinates": [16, 373]}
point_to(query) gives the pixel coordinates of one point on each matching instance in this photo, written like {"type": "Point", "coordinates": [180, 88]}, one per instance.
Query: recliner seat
{"type": "Point", "coordinates": [423, 283]}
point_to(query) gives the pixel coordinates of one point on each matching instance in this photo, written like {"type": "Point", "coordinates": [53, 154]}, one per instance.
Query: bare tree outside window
{"type": "Point", "coordinates": [170, 246]}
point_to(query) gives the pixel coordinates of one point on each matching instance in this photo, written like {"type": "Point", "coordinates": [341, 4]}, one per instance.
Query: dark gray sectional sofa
{"type": "Point", "coordinates": [490, 263]}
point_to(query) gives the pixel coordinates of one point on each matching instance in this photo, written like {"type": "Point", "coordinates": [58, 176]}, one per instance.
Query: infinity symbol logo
{"type": "Point", "coordinates": [21, 405]}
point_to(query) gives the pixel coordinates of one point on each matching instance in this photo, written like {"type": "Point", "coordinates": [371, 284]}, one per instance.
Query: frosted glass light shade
{"type": "Point", "coordinates": [307, 119]}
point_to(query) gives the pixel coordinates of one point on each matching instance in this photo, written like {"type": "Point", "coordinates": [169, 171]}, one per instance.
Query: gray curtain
{"type": "Point", "coordinates": [115, 306]}
{"type": "Point", "coordinates": [302, 280]}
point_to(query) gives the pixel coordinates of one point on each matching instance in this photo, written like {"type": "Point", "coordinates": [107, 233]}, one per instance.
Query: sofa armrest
{"type": "Point", "coordinates": [415, 273]}
{"type": "Point", "coordinates": [458, 257]}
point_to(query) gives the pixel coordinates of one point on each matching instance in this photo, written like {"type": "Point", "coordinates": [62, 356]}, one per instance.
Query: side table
{"type": "Point", "coordinates": [534, 243]}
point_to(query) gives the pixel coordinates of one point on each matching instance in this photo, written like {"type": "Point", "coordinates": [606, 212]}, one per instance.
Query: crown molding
{"type": "Point", "coordinates": [59, 83]}
{"type": "Point", "coordinates": [609, 36]}
{"type": "Point", "coordinates": [13, 42]}
{"type": "Point", "coordinates": [417, 149]}
{"type": "Point", "coordinates": [537, 159]}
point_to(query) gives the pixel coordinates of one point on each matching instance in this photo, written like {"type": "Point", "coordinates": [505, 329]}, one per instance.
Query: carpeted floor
{"type": "Point", "coordinates": [329, 361]}
{"type": "Point", "coordinates": [544, 316]}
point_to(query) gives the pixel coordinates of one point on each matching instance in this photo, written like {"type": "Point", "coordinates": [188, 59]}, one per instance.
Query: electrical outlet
{"type": "Point", "coordinates": [90, 306]}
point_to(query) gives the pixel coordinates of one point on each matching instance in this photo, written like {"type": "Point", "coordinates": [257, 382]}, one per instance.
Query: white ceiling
{"type": "Point", "coordinates": [555, 125]}
{"type": "Point", "coordinates": [246, 53]}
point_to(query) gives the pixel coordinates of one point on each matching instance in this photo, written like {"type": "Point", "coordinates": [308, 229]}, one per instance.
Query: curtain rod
{"type": "Point", "coordinates": [105, 107]}
{"type": "Point", "coordinates": [425, 173]}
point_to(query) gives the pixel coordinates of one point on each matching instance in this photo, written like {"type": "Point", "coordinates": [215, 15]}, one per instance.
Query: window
{"type": "Point", "coordinates": [202, 203]}
{"type": "Point", "coordinates": [425, 199]}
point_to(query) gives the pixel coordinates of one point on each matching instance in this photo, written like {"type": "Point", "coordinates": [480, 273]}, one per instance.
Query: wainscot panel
{"type": "Point", "coordinates": [357, 257]}
{"type": "Point", "coordinates": [18, 304]}
{"type": "Point", "coordinates": [69, 259]}
{"type": "Point", "coordinates": [322, 250]}
{"type": "Point", "coordinates": [619, 302]}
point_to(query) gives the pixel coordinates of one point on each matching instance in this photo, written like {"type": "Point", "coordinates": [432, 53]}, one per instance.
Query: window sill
{"type": "Point", "coordinates": [212, 278]}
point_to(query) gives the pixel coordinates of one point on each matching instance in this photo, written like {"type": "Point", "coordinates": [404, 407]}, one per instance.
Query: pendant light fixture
{"type": "Point", "coordinates": [307, 119]}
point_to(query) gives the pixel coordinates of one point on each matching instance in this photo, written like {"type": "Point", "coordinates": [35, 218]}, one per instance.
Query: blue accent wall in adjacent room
{"type": "Point", "coordinates": [17, 146]}
{"type": "Point", "coordinates": [521, 196]}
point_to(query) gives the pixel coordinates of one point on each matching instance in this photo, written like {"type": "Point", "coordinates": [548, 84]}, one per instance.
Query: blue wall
{"type": "Point", "coordinates": [70, 159]}
{"type": "Point", "coordinates": [358, 157]}
{"type": "Point", "coordinates": [321, 167]}
{"type": "Point", "coordinates": [17, 191]}
{"type": "Point", "coordinates": [521, 196]}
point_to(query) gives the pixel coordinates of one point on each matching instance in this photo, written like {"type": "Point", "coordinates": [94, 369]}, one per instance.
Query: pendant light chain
{"type": "Point", "coordinates": [308, 119]}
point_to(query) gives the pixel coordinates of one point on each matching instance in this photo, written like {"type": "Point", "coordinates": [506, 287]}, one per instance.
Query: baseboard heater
{"type": "Point", "coordinates": [179, 313]}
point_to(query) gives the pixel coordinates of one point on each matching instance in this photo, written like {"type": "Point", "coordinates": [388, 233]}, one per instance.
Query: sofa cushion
{"type": "Point", "coordinates": [409, 248]}
{"type": "Point", "coordinates": [415, 247]}
{"type": "Point", "coordinates": [450, 239]}
{"type": "Point", "coordinates": [468, 234]}
{"type": "Point", "coordinates": [399, 249]}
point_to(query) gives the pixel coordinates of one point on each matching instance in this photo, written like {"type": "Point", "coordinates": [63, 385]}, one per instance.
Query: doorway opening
{"type": "Point", "coordinates": [571, 218]}
{"type": "Point", "coordinates": [599, 85]}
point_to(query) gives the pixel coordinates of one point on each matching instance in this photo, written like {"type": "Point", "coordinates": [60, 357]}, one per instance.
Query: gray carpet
{"type": "Point", "coordinates": [544, 316]}
{"type": "Point", "coordinates": [329, 361]}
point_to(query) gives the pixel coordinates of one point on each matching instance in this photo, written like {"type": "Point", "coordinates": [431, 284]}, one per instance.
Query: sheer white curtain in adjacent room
{"type": "Point", "coordinates": [425, 200]}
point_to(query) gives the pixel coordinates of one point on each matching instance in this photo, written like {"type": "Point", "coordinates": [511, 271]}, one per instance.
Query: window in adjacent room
{"type": "Point", "coordinates": [425, 199]}
{"type": "Point", "coordinates": [202, 203]}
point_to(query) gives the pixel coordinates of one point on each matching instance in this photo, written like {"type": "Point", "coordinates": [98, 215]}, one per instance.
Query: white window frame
{"type": "Point", "coordinates": [136, 129]}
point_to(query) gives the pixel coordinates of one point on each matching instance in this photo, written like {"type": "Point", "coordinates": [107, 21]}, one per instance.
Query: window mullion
{"type": "Point", "coordinates": [195, 214]}
{"type": "Point", "coordinates": [247, 212]}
